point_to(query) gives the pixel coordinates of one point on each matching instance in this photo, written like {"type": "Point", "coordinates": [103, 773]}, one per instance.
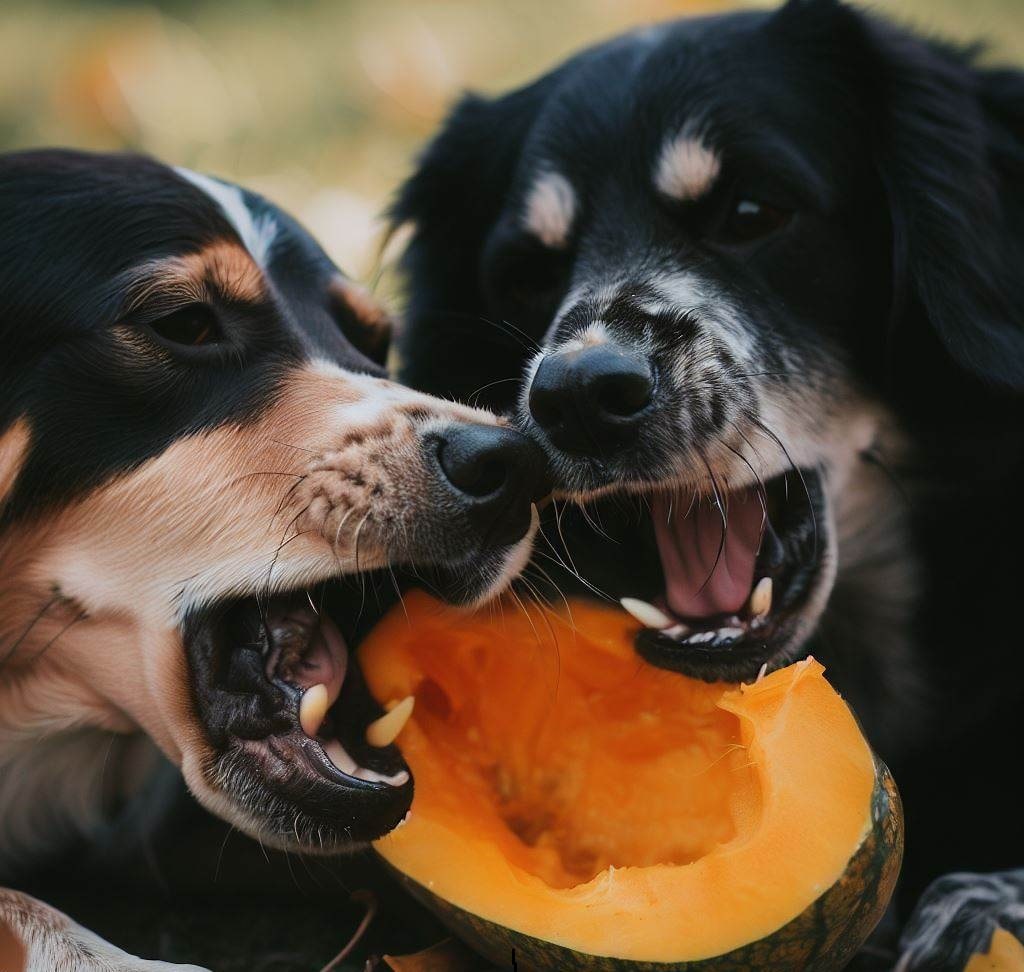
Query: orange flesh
{"type": "Point", "coordinates": [1005, 954]}
{"type": "Point", "coordinates": [553, 767]}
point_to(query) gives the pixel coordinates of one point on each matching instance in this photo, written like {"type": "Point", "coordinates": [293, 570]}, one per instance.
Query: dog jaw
{"type": "Point", "coordinates": [327, 481]}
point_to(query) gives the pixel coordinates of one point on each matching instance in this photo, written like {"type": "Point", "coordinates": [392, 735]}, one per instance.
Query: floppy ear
{"type": "Point", "coordinates": [950, 137]}
{"type": "Point", "coordinates": [452, 200]}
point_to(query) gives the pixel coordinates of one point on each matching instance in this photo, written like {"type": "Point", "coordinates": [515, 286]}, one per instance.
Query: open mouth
{"type": "Point", "coordinates": [284, 705]}
{"type": "Point", "coordinates": [723, 584]}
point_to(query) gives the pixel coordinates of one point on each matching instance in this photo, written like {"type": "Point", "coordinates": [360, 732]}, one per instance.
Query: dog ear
{"type": "Point", "coordinates": [362, 319]}
{"type": "Point", "coordinates": [948, 142]}
{"type": "Point", "coordinates": [452, 200]}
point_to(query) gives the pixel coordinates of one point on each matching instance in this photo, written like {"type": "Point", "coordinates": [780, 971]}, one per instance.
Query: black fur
{"type": "Point", "coordinates": [73, 222]}
{"type": "Point", "coordinates": [899, 278]}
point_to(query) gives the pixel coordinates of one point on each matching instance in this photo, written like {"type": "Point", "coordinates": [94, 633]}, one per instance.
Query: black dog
{"type": "Point", "coordinates": [763, 273]}
{"type": "Point", "coordinates": [200, 464]}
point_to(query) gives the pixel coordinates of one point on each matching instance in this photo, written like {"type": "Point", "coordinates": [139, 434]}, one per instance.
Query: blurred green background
{"type": "Point", "coordinates": [319, 105]}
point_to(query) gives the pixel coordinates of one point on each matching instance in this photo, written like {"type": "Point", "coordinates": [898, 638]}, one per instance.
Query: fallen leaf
{"type": "Point", "coordinates": [446, 956]}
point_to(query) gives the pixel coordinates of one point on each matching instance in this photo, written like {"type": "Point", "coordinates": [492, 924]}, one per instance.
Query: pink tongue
{"type": "Point", "coordinates": [702, 576]}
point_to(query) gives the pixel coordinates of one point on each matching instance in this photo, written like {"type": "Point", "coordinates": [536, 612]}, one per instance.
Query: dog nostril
{"type": "Point", "coordinates": [553, 390]}
{"type": "Point", "coordinates": [623, 393]}
{"type": "Point", "coordinates": [545, 406]}
{"type": "Point", "coordinates": [474, 460]}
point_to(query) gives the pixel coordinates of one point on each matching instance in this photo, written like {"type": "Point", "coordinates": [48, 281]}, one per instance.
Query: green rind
{"type": "Point", "coordinates": [823, 938]}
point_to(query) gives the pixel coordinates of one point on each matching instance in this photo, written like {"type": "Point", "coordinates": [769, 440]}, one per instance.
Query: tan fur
{"type": "Point", "coordinates": [551, 209]}
{"type": "Point", "coordinates": [14, 445]}
{"type": "Point", "coordinates": [322, 483]}
{"type": "Point", "coordinates": [374, 322]}
{"type": "Point", "coordinates": [12, 950]}
{"type": "Point", "coordinates": [223, 268]}
{"type": "Point", "coordinates": [686, 168]}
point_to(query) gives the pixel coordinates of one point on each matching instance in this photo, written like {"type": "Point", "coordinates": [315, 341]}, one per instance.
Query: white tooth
{"type": "Point", "coordinates": [647, 614]}
{"type": "Point", "coordinates": [730, 633]}
{"type": "Point", "coordinates": [396, 779]}
{"type": "Point", "coordinates": [337, 755]}
{"type": "Point", "coordinates": [313, 709]}
{"type": "Point", "coordinates": [702, 636]}
{"type": "Point", "coordinates": [761, 598]}
{"type": "Point", "coordinates": [764, 671]}
{"type": "Point", "coordinates": [384, 731]}
{"type": "Point", "coordinates": [676, 632]}
{"type": "Point", "coordinates": [341, 759]}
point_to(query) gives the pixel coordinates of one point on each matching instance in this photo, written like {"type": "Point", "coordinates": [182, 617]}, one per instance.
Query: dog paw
{"type": "Point", "coordinates": [957, 917]}
{"type": "Point", "coordinates": [78, 949]}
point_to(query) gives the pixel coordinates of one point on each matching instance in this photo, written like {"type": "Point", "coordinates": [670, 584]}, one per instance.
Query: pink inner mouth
{"type": "Point", "coordinates": [708, 559]}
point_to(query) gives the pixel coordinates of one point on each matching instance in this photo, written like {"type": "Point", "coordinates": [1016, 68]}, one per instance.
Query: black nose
{"type": "Point", "coordinates": [495, 473]}
{"type": "Point", "coordinates": [591, 401]}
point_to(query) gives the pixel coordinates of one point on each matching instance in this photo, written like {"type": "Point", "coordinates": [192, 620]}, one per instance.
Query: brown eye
{"type": "Point", "coordinates": [193, 326]}
{"type": "Point", "coordinates": [751, 220]}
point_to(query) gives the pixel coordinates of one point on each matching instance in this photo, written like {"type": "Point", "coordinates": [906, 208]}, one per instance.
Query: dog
{"type": "Point", "coordinates": [753, 281]}
{"type": "Point", "coordinates": [201, 464]}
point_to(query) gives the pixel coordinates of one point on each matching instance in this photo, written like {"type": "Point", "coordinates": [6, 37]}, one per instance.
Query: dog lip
{"type": "Point", "coordinates": [248, 693]}
{"type": "Point", "coordinates": [321, 666]}
{"type": "Point", "coordinates": [736, 644]}
{"type": "Point", "coordinates": [791, 570]}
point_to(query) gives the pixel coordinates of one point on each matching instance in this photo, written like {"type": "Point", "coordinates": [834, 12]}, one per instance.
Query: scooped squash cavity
{"type": "Point", "coordinates": [593, 811]}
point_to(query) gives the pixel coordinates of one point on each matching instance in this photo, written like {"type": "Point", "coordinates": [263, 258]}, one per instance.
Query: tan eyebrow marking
{"type": "Point", "coordinates": [550, 209]}
{"type": "Point", "coordinates": [686, 168]}
{"type": "Point", "coordinates": [222, 268]}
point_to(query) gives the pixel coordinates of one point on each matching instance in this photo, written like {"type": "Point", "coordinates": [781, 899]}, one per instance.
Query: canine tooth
{"type": "Point", "coordinates": [647, 614]}
{"type": "Point", "coordinates": [763, 671]}
{"type": "Point", "coordinates": [676, 632]}
{"type": "Point", "coordinates": [313, 709]}
{"type": "Point", "coordinates": [384, 731]}
{"type": "Point", "coordinates": [761, 598]}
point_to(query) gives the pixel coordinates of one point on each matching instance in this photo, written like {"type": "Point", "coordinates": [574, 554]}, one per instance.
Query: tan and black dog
{"type": "Point", "coordinates": [200, 464]}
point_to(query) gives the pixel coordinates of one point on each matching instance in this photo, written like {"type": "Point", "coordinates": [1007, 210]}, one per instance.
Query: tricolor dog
{"type": "Point", "coordinates": [201, 462]}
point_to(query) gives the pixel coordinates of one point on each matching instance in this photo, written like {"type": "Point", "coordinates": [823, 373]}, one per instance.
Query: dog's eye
{"type": "Point", "coordinates": [749, 220]}
{"type": "Point", "coordinates": [194, 326]}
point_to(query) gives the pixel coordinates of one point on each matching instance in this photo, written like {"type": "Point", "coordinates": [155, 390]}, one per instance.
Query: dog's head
{"type": "Point", "coordinates": [203, 472]}
{"type": "Point", "coordinates": [737, 259]}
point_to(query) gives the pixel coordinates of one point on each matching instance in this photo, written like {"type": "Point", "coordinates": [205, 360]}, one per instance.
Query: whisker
{"type": "Point", "coordinates": [9, 654]}
{"type": "Point", "coordinates": [81, 616]}
{"type": "Point", "coordinates": [803, 482]}
{"type": "Point", "coordinates": [499, 381]}
{"type": "Point", "coordinates": [725, 521]}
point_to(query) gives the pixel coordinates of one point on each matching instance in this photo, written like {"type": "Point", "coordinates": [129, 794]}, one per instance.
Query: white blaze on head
{"type": "Point", "coordinates": [686, 168]}
{"type": "Point", "coordinates": [256, 232]}
{"type": "Point", "coordinates": [550, 209]}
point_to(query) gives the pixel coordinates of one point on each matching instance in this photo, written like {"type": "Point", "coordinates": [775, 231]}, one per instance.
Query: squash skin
{"type": "Point", "coordinates": [822, 938]}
